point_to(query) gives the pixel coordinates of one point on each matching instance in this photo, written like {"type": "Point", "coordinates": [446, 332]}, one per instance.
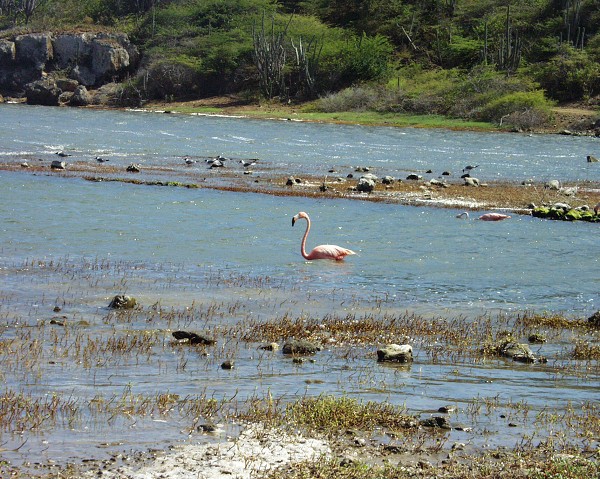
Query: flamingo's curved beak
{"type": "Point", "coordinates": [293, 220]}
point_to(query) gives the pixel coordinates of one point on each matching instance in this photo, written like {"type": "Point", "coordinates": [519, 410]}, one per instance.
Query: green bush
{"type": "Point", "coordinates": [512, 103]}
{"type": "Point", "coordinates": [570, 75]}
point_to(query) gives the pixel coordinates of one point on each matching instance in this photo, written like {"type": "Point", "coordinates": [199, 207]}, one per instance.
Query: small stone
{"type": "Point", "coordinates": [227, 364]}
{"type": "Point", "coordinates": [122, 301]}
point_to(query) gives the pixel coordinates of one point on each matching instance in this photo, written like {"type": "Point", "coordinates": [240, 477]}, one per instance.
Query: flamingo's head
{"type": "Point", "coordinates": [302, 214]}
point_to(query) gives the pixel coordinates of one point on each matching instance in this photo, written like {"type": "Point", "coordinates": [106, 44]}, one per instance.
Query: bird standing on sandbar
{"type": "Point", "coordinates": [324, 251]}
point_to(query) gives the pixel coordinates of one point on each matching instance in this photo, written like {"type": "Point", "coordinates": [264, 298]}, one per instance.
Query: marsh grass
{"type": "Point", "coordinates": [91, 343]}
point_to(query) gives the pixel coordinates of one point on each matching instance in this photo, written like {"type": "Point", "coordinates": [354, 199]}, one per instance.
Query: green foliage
{"type": "Point", "coordinates": [446, 51]}
{"type": "Point", "coordinates": [357, 60]}
{"type": "Point", "coordinates": [569, 75]}
{"type": "Point", "coordinates": [511, 103]}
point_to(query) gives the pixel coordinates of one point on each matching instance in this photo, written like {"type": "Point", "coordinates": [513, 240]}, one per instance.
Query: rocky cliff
{"type": "Point", "coordinates": [42, 66]}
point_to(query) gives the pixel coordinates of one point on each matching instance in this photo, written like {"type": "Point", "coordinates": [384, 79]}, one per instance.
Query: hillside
{"type": "Point", "coordinates": [505, 63]}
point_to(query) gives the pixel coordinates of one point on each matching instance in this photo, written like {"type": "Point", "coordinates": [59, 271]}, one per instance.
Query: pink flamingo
{"type": "Point", "coordinates": [493, 217]}
{"type": "Point", "coordinates": [486, 216]}
{"type": "Point", "coordinates": [324, 251]}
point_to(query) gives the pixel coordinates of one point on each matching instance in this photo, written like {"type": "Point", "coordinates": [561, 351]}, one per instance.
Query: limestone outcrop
{"type": "Point", "coordinates": [87, 59]}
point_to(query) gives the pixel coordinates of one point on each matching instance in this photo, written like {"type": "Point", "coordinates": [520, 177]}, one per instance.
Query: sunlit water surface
{"type": "Point", "coordinates": [76, 244]}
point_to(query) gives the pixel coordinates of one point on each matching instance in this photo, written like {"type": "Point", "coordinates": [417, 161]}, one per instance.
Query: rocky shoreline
{"type": "Point", "coordinates": [550, 200]}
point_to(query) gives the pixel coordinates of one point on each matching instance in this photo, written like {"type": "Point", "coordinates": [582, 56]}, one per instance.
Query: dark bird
{"type": "Point", "coordinates": [469, 168]}
{"type": "Point", "coordinates": [62, 154]}
{"type": "Point", "coordinates": [101, 160]}
{"type": "Point", "coordinates": [189, 161]}
{"type": "Point", "coordinates": [192, 338]}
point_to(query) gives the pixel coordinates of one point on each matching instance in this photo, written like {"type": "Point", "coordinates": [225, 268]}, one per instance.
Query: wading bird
{"type": "Point", "coordinates": [486, 216]}
{"type": "Point", "coordinates": [324, 251]}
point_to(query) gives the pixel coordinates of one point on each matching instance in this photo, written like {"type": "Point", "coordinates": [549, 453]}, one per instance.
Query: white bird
{"type": "Point", "coordinates": [100, 159]}
{"type": "Point", "coordinates": [189, 161]}
{"type": "Point", "coordinates": [62, 154]}
{"type": "Point", "coordinates": [247, 163]}
{"type": "Point", "coordinates": [469, 168]}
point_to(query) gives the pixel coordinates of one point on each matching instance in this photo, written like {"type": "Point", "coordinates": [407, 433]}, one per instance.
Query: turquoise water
{"type": "Point", "coordinates": [75, 243]}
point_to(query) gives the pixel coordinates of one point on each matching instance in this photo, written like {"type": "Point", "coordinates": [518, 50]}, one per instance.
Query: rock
{"type": "Point", "coordinates": [122, 301]}
{"type": "Point", "coordinates": [300, 346]}
{"type": "Point", "coordinates": [8, 52]}
{"type": "Point", "coordinates": [34, 49]}
{"type": "Point", "coordinates": [436, 421]}
{"type": "Point", "coordinates": [66, 84]}
{"type": "Point", "coordinates": [269, 347]}
{"type": "Point", "coordinates": [58, 165]}
{"type": "Point", "coordinates": [438, 183]}
{"type": "Point", "coordinates": [470, 181]}
{"type": "Point", "coordinates": [592, 159]}
{"type": "Point", "coordinates": [227, 364]}
{"type": "Point", "coordinates": [81, 97]}
{"type": "Point", "coordinates": [447, 409]}
{"type": "Point", "coordinates": [365, 185]}
{"type": "Point", "coordinates": [42, 92]}
{"type": "Point", "coordinates": [388, 180]}
{"type": "Point", "coordinates": [65, 97]}
{"type": "Point", "coordinates": [193, 338]}
{"type": "Point", "coordinates": [91, 59]}
{"type": "Point", "coordinates": [291, 181]}
{"type": "Point", "coordinates": [520, 352]}
{"type": "Point", "coordinates": [594, 319]}
{"type": "Point", "coordinates": [134, 168]}
{"type": "Point", "coordinates": [413, 177]}
{"type": "Point", "coordinates": [401, 353]}
{"type": "Point", "coordinates": [552, 185]}
{"type": "Point", "coordinates": [446, 173]}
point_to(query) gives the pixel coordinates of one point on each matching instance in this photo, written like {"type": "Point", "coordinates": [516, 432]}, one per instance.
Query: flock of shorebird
{"type": "Point", "coordinates": [219, 161]}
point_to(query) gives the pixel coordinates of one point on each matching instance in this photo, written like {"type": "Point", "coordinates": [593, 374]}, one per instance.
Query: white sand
{"type": "Point", "coordinates": [256, 451]}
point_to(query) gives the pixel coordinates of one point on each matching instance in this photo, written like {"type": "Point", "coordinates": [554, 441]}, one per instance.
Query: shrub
{"type": "Point", "coordinates": [518, 102]}
{"type": "Point", "coordinates": [569, 75]}
{"type": "Point", "coordinates": [167, 79]}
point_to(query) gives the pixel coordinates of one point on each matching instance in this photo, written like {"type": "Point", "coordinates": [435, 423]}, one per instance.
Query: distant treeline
{"type": "Point", "coordinates": [483, 59]}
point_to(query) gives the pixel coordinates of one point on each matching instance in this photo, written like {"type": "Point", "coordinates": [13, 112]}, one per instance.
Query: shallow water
{"type": "Point", "coordinates": [77, 244]}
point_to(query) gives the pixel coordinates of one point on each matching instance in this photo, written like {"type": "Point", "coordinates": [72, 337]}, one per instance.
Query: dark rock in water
{"type": "Point", "coordinates": [58, 165]}
{"type": "Point", "coordinates": [269, 347]}
{"type": "Point", "coordinates": [193, 338]}
{"type": "Point", "coordinates": [401, 353]}
{"type": "Point", "coordinates": [227, 364]}
{"type": "Point", "coordinates": [594, 319]}
{"type": "Point", "coordinates": [134, 168]}
{"type": "Point", "coordinates": [414, 177]}
{"type": "Point", "coordinates": [520, 352]}
{"type": "Point", "coordinates": [122, 301]}
{"type": "Point", "coordinates": [436, 421]}
{"type": "Point", "coordinates": [208, 427]}
{"type": "Point", "coordinates": [300, 346]}
{"type": "Point", "coordinates": [447, 409]}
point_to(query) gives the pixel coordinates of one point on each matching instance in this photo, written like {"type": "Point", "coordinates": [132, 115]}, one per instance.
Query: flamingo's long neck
{"type": "Point", "coordinates": [303, 245]}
